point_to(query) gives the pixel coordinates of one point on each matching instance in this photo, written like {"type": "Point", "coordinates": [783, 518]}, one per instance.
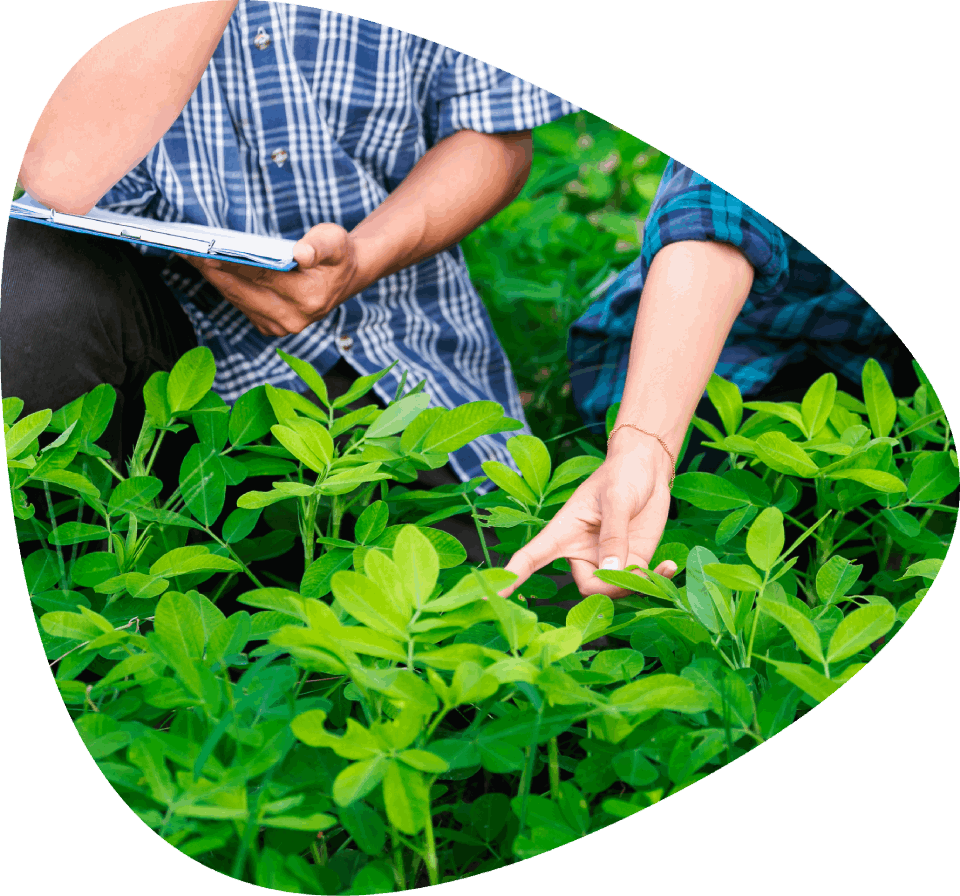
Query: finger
{"type": "Point", "coordinates": [321, 244]}
{"type": "Point", "coordinates": [586, 581]}
{"type": "Point", "coordinates": [613, 544]}
{"type": "Point", "coordinates": [667, 569]}
{"type": "Point", "coordinates": [551, 543]}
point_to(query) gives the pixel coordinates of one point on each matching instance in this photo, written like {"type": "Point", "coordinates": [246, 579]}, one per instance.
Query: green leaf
{"type": "Point", "coordinates": [927, 568]}
{"type": "Point", "coordinates": [472, 588]}
{"type": "Point", "coordinates": [155, 397]}
{"type": "Point", "coordinates": [280, 599]}
{"type": "Point", "coordinates": [133, 493]}
{"type": "Point", "coordinates": [506, 479]}
{"type": "Point", "coordinates": [591, 617]}
{"type": "Point", "coordinates": [417, 561]}
{"type": "Point", "coordinates": [801, 629]}
{"type": "Point", "coordinates": [178, 625]}
{"type": "Point", "coordinates": [489, 814]}
{"type": "Point", "coordinates": [61, 624]}
{"type": "Point", "coordinates": [365, 826]}
{"type": "Point", "coordinates": [203, 484]}
{"type": "Point", "coordinates": [251, 417]}
{"type": "Point", "coordinates": [462, 425]}
{"type": "Point", "coordinates": [98, 405]}
{"type": "Point", "coordinates": [358, 779]}
{"type": "Point", "coordinates": [780, 409]}
{"type": "Point", "coordinates": [708, 492]}
{"type": "Point", "coordinates": [191, 559]}
{"type": "Point", "coordinates": [239, 524]}
{"type": "Point", "coordinates": [424, 761]}
{"type": "Point", "coordinates": [901, 521]}
{"type": "Point", "coordinates": [818, 403]}
{"type": "Point", "coordinates": [406, 797]}
{"type": "Point", "coordinates": [701, 603]}
{"type": "Point", "coordinates": [308, 373]}
{"type": "Point", "coordinates": [811, 682]}
{"type": "Point", "coordinates": [777, 707]}
{"type": "Point", "coordinates": [571, 470]}
{"type": "Point", "coordinates": [387, 575]}
{"type": "Point", "coordinates": [67, 479]}
{"type": "Point", "coordinates": [21, 435]}
{"type": "Point", "coordinates": [692, 751]}
{"type": "Point", "coordinates": [733, 522]}
{"type": "Point", "coordinates": [360, 387]}
{"type": "Point", "coordinates": [859, 630]}
{"type": "Point", "coordinates": [739, 577]}
{"type": "Point", "coordinates": [633, 768]}
{"type": "Point", "coordinates": [727, 400]}
{"type": "Point", "coordinates": [875, 479]}
{"type": "Point", "coordinates": [316, 580]}
{"type": "Point", "coordinates": [835, 579]}
{"type": "Point", "coordinates": [934, 476]}
{"type": "Point", "coordinates": [661, 691]}
{"type": "Point", "coordinates": [397, 416]}
{"type": "Point", "coordinates": [191, 378]}
{"type": "Point", "coordinates": [309, 451]}
{"type": "Point", "coordinates": [765, 539]}
{"type": "Point", "coordinates": [533, 461]}
{"type": "Point", "coordinates": [75, 533]}
{"type": "Point", "coordinates": [364, 600]}
{"type": "Point", "coordinates": [784, 456]}
{"type": "Point", "coordinates": [211, 419]}
{"type": "Point", "coordinates": [879, 399]}
{"type": "Point", "coordinates": [371, 523]}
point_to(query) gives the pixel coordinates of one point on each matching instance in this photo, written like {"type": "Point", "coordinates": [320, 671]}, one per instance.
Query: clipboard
{"type": "Point", "coordinates": [175, 236]}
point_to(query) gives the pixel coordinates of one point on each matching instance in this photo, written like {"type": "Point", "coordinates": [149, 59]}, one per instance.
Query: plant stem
{"type": "Point", "coordinates": [398, 873]}
{"type": "Point", "coordinates": [476, 522]}
{"type": "Point", "coordinates": [527, 777]}
{"type": "Point", "coordinates": [430, 859]}
{"type": "Point", "coordinates": [53, 525]}
{"type": "Point", "coordinates": [554, 757]}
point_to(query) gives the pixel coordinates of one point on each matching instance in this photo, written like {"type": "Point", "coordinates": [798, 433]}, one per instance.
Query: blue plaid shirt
{"type": "Point", "coordinates": [798, 308]}
{"type": "Point", "coordinates": [305, 116]}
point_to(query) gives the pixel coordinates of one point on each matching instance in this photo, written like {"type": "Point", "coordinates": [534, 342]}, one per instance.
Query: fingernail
{"type": "Point", "coordinates": [610, 563]}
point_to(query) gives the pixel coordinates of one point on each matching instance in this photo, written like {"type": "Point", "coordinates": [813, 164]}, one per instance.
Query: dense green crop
{"type": "Point", "coordinates": [289, 674]}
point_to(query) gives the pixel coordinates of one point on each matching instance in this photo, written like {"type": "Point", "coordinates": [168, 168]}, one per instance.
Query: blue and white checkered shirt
{"type": "Point", "coordinates": [797, 309]}
{"type": "Point", "coordinates": [305, 116]}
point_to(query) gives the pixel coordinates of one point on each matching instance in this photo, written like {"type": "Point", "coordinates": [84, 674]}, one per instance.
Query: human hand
{"type": "Point", "coordinates": [613, 520]}
{"type": "Point", "coordinates": [279, 303]}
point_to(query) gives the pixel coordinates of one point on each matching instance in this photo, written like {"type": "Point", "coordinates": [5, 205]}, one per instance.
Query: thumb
{"type": "Point", "coordinates": [321, 244]}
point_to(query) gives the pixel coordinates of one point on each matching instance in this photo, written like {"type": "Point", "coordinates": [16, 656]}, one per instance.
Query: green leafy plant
{"type": "Point", "coordinates": [290, 675]}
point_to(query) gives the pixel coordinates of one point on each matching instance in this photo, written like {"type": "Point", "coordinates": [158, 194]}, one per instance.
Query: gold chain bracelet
{"type": "Point", "coordinates": [673, 461]}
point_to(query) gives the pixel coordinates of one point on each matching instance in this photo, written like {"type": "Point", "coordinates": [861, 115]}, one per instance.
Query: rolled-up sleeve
{"type": "Point", "coordinates": [468, 94]}
{"type": "Point", "coordinates": [689, 207]}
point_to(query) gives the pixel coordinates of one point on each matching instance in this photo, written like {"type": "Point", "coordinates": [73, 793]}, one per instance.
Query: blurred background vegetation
{"type": "Point", "coordinates": [540, 263]}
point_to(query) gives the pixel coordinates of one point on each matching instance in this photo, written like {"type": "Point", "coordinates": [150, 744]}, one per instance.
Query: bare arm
{"type": "Point", "coordinates": [461, 182]}
{"type": "Point", "coordinates": [117, 102]}
{"type": "Point", "coordinates": [693, 293]}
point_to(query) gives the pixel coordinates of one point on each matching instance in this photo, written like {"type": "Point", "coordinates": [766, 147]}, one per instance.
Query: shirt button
{"type": "Point", "coordinates": [262, 40]}
{"type": "Point", "coordinates": [345, 343]}
{"type": "Point", "coordinates": [279, 156]}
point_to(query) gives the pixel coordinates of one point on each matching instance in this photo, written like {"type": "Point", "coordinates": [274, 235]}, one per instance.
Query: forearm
{"type": "Point", "coordinates": [691, 297]}
{"type": "Point", "coordinates": [460, 183]}
{"type": "Point", "coordinates": [117, 102]}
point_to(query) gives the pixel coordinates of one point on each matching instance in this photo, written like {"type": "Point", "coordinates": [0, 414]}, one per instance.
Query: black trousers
{"type": "Point", "coordinates": [77, 311]}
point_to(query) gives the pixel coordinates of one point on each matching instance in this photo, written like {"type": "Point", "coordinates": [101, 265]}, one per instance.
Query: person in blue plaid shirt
{"type": "Point", "coordinates": [716, 287]}
{"type": "Point", "coordinates": [375, 149]}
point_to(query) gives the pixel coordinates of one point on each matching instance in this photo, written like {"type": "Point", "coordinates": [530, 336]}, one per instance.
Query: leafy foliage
{"type": "Point", "coordinates": [292, 676]}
